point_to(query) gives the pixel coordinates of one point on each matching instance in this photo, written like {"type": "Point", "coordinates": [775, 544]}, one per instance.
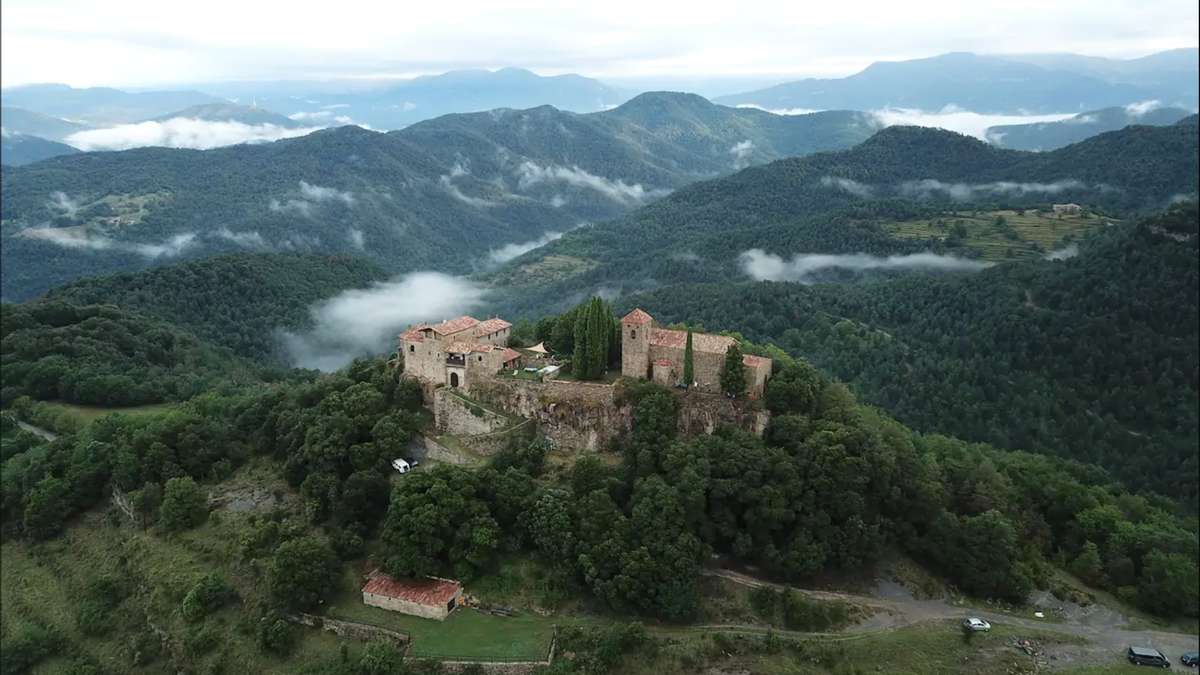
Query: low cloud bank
{"type": "Point", "coordinates": [530, 174]}
{"type": "Point", "coordinates": [1141, 108]}
{"type": "Point", "coordinates": [365, 322]}
{"type": "Point", "coordinates": [964, 191]}
{"type": "Point", "coordinates": [503, 254]}
{"type": "Point", "coordinates": [763, 266]}
{"type": "Point", "coordinates": [778, 111]}
{"type": "Point", "coordinates": [79, 239]}
{"type": "Point", "coordinates": [181, 133]}
{"type": "Point", "coordinates": [951, 118]}
{"type": "Point", "coordinates": [741, 153]}
{"type": "Point", "coordinates": [311, 195]}
{"type": "Point", "coordinates": [1069, 251]}
{"type": "Point", "coordinates": [846, 185]}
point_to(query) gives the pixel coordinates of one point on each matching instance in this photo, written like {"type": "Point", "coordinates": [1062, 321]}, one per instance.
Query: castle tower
{"type": "Point", "coordinates": [635, 344]}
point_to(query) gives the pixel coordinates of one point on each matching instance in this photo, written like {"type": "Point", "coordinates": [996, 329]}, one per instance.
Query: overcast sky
{"type": "Point", "coordinates": [131, 43]}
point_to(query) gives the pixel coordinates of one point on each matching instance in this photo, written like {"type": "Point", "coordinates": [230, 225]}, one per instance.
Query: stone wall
{"type": "Point", "coordinates": [406, 607]}
{"type": "Point", "coordinates": [349, 629]}
{"type": "Point", "coordinates": [424, 448]}
{"type": "Point", "coordinates": [490, 444]}
{"type": "Point", "coordinates": [455, 415]}
{"type": "Point", "coordinates": [583, 416]}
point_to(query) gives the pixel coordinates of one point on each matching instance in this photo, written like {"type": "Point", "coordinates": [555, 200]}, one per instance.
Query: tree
{"type": "Point", "coordinates": [689, 367]}
{"type": "Point", "coordinates": [184, 505]}
{"type": "Point", "coordinates": [302, 572]}
{"type": "Point", "coordinates": [733, 373]}
{"type": "Point", "coordinates": [146, 501]}
{"type": "Point", "coordinates": [1088, 566]}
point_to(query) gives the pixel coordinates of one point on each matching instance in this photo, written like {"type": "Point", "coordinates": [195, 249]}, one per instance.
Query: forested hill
{"type": "Point", "coordinates": [1117, 173]}
{"type": "Point", "coordinates": [1052, 135]}
{"type": "Point", "coordinates": [1094, 357]}
{"type": "Point", "coordinates": [442, 195]}
{"type": "Point", "coordinates": [237, 301]}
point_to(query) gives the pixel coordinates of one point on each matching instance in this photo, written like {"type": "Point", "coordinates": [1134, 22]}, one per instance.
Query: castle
{"type": "Point", "coordinates": [460, 351]}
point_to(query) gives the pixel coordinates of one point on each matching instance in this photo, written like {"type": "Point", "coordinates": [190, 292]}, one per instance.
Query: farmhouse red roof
{"type": "Point", "coordinates": [510, 354]}
{"type": "Point", "coordinates": [413, 334]}
{"type": "Point", "coordinates": [429, 591]}
{"type": "Point", "coordinates": [753, 361]}
{"type": "Point", "coordinates": [467, 348]}
{"type": "Point", "coordinates": [663, 362]}
{"type": "Point", "coordinates": [637, 316]}
{"type": "Point", "coordinates": [455, 325]}
{"type": "Point", "coordinates": [491, 326]}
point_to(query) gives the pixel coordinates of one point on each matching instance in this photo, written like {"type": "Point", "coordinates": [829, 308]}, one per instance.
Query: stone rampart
{"type": "Point", "coordinates": [454, 414]}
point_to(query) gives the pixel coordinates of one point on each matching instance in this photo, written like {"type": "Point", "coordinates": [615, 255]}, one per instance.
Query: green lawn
{"type": "Point", "coordinates": [88, 413]}
{"type": "Point", "coordinates": [995, 243]}
{"type": "Point", "coordinates": [465, 633]}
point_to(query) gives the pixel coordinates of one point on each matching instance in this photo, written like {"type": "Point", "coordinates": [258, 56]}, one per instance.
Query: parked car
{"type": "Point", "coordinates": [976, 625]}
{"type": "Point", "coordinates": [401, 465]}
{"type": "Point", "coordinates": [1191, 659]}
{"type": "Point", "coordinates": [1147, 656]}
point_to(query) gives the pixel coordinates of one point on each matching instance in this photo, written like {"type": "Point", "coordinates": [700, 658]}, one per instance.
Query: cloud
{"type": "Point", "coordinates": [963, 191]}
{"type": "Point", "coordinates": [510, 251]}
{"type": "Point", "coordinates": [478, 202]}
{"type": "Point", "coordinates": [778, 111]}
{"type": "Point", "coordinates": [802, 267]}
{"type": "Point", "coordinates": [325, 116]}
{"type": "Point", "coordinates": [180, 132]}
{"type": "Point", "coordinates": [1069, 251]}
{"type": "Point", "coordinates": [845, 184]}
{"type": "Point", "coordinates": [1141, 108]}
{"type": "Point", "coordinates": [60, 202]}
{"type": "Point", "coordinates": [247, 239]}
{"type": "Point", "coordinates": [558, 201]}
{"type": "Point", "coordinates": [741, 151]}
{"type": "Point", "coordinates": [530, 174]}
{"type": "Point", "coordinates": [356, 238]}
{"type": "Point", "coordinates": [5, 132]}
{"type": "Point", "coordinates": [301, 207]}
{"type": "Point", "coordinates": [1081, 119]}
{"type": "Point", "coordinates": [316, 193]}
{"type": "Point", "coordinates": [365, 322]}
{"type": "Point", "coordinates": [956, 119]}
{"type": "Point", "coordinates": [79, 238]}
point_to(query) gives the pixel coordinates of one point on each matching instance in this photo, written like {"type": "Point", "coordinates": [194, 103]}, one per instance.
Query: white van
{"type": "Point", "coordinates": [401, 465]}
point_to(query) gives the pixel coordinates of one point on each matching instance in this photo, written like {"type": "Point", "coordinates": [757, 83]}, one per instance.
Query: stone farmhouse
{"type": "Point", "coordinates": [430, 598]}
{"type": "Point", "coordinates": [459, 352]}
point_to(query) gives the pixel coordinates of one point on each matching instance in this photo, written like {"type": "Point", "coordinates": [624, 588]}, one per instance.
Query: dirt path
{"type": "Point", "coordinates": [49, 436]}
{"type": "Point", "coordinates": [897, 610]}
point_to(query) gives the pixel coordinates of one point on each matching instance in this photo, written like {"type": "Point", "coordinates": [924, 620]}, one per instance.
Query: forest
{"type": "Point", "coordinates": [1094, 357]}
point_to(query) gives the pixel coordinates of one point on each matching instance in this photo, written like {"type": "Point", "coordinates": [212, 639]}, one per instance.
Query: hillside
{"type": "Point", "coordinates": [1093, 357]}
{"type": "Point", "coordinates": [442, 195]}
{"type": "Point", "coordinates": [1054, 135]}
{"type": "Point", "coordinates": [980, 84]}
{"type": "Point", "coordinates": [21, 121]}
{"type": "Point", "coordinates": [101, 106]}
{"type": "Point", "coordinates": [18, 149]}
{"type": "Point", "coordinates": [102, 355]}
{"type": "Point", "coordinates": [238, 301]}
{"type": "Point", "coordinates": [231, 112]}
{"type": "Point", "coordinates": [799, 206]}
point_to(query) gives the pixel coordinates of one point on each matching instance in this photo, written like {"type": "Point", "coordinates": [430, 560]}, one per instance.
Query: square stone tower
{"type": "Point", "coordinates": [635, 344]}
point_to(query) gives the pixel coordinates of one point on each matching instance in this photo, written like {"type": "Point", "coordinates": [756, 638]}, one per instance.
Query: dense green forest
{"type": "Point", "coordinates": [239, 301]}
{"type": "Point", "coordinates": [1093, 358]}
{"type": "Point", "coordinates": [438, 195]}
{"type": "Point", "coordinates": [792, 206]}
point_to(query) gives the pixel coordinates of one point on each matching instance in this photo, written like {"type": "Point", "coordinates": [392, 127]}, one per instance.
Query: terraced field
{"type": "Point", "coordinates": [1001, 235]}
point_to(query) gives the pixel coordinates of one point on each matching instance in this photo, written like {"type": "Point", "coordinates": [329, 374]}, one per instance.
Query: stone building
{"type": "Point", "coordinates": [455, 351]}
{"type": "Point", "coordinates": [658, 354]}
{"type": "Point", "coordinates": [430, 598]}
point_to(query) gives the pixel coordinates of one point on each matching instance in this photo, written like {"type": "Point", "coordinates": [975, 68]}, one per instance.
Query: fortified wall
{"type": "Point", "coordinates": [584, 416]}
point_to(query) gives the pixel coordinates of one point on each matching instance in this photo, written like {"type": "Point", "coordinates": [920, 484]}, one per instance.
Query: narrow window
{"type": "Point", "coordinates": [632, 334]}
{"type": "Point", "coordinates": [412, 349]}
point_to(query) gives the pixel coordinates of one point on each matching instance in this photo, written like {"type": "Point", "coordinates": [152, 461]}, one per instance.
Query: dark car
{"type": "Point", "coordinates": [1190, 659]}
{"type": "Point", "coordinates": [1147, 656]}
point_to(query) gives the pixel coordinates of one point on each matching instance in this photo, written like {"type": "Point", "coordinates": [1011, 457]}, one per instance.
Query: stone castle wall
{"type": "Point", "coordinates": [455, 415]}
{"type": "Point", "coordinates": [583, 415]}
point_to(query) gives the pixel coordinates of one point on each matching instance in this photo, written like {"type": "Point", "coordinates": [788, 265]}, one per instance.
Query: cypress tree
{"type": "Point", "coordinates": [733, 373]}
{"type": "Point", "coordinates": [582, 354]}
{"type": "Point", "coordinates": [689, 372]}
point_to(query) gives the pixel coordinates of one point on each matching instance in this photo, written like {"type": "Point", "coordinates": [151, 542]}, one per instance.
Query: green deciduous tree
{"type": "Point", "coordinates": [733, 372]}
{"type": "Point", "coordinates": [184, 505]}
{"type": "Point", "coordinates": [302, 572]}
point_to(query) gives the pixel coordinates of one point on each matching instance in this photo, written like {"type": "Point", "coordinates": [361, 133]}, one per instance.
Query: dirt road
{"type": "Point", "coordinates": [49, 436]}
{"type": "Point", "coordinates": [897, 608]}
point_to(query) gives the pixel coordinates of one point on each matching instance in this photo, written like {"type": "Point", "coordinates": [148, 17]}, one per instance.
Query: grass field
{"type": "Point", "coordinates": [548, 270]}
{"type": "Point", "coordinates": [1021, 235]}
{"type": "Point", "coordinates": [70, 416]}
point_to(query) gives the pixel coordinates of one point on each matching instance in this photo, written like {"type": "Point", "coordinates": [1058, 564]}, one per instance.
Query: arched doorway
{"type": "Point", "coordinates": [454, 380]}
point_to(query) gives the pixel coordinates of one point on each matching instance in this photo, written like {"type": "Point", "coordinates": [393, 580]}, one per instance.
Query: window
{"type": "Point", "coordinates": [632, 334]}
{"type": "Point", "coordinates": [412, 349]}
{"type": "Point", "coordinates": [481, 359]}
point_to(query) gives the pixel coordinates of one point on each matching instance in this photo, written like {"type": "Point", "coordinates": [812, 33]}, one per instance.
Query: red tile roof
{"type": "Point", "coordinates": [455, 325]}
{"type": "Point", "coordinates": [510, 354]}
{"type": "Point", "coordinates": [637, 316]}
{"type": "Point", "coordinates": [701, 342]}
{"type": "Point", "coordinates": [753, 361]}
{"type": "Point", "coordinates": [413, 335]}
{"type": "Point", "coordinates": [491, 326]}
{"type": "Point", "coordinates": [468, 347]}
{"type": "Point", "coordinates": [428, 591]}
{"type": "Point", "coordinates": [663, 362]}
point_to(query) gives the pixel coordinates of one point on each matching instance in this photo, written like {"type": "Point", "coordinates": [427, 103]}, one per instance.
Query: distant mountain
{"type": "Point", "coordinates": [18, 149]}
{"type": "Point", "coordinates": [982, 84]}
{"type": "Point", "coordinates": [21, 121]}
{"type": "Point", "coordinates": [101, 106]}
{"type": "Point", "coordinates": [458, 91]}
{"type": "Point", "coordinates": [447, 194]}
{"type": "Point", "coordinates": [1176, 69]}
{"type": "Point", "coordinates": [232, 112]}
{"type": "Point", "coordinates": [1190, 120]}
{"type": "Point", "coordinates": [792, 206]}
{"type": "Point", "coordinates": [1052, 135]}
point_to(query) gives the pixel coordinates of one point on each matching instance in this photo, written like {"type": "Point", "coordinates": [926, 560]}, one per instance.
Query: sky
{"type": "Point", "coordinates": [142, 43]}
